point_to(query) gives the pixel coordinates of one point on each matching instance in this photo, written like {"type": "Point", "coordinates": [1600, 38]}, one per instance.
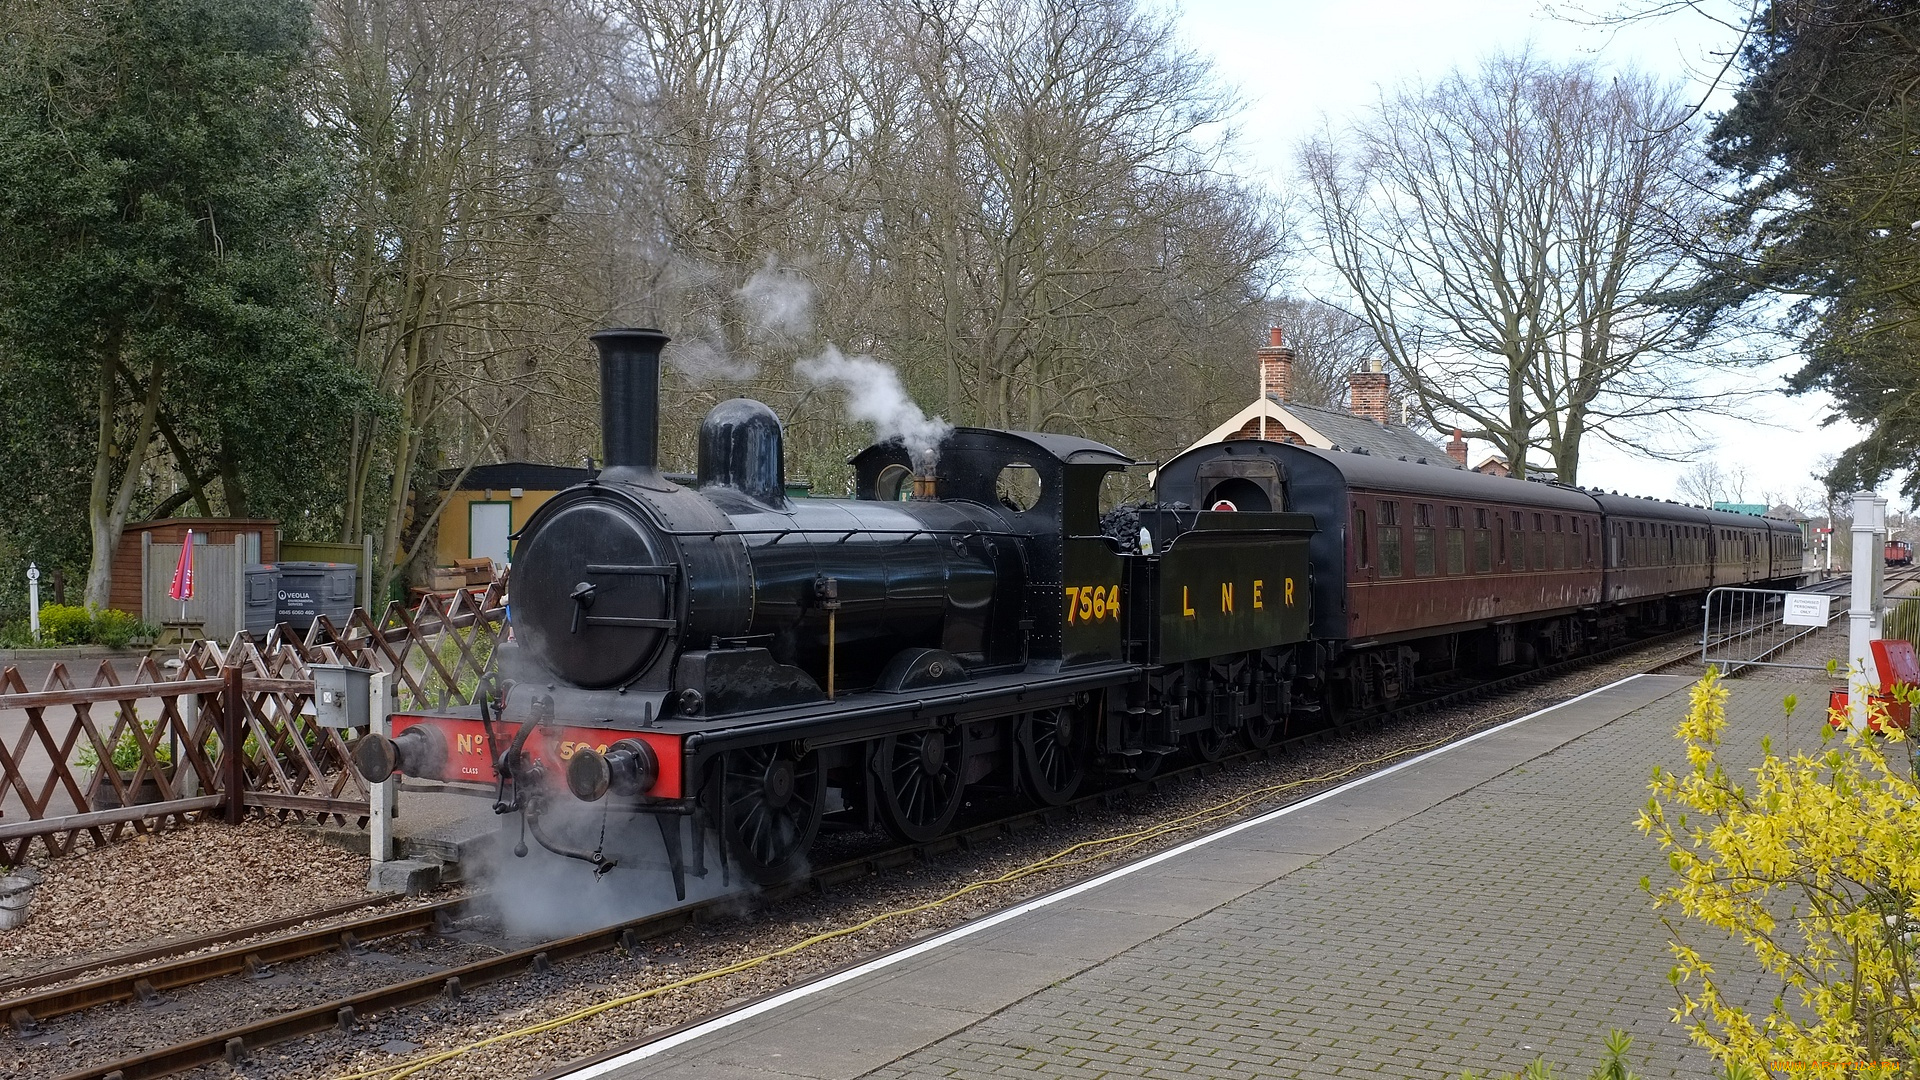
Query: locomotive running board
{"type": "Point", "coordinates": [858, 717]}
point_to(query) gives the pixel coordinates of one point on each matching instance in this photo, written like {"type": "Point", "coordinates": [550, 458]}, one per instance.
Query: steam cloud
{"type": "Point", "coordinates": [544, 895]}
{"type": "Point", "coordinates": [703, 360]}
{"type": "Point", "coordinates": [875, 395]}
{"type": "Point", "coordinates": [777, 303]}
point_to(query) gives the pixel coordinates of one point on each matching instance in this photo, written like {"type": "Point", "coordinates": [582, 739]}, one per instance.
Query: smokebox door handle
{"type": "Point", "coordinates": [582, 597]}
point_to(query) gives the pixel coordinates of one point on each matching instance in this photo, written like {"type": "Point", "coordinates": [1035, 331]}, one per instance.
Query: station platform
{"type": "Point", "coordinates": [1475, 907]}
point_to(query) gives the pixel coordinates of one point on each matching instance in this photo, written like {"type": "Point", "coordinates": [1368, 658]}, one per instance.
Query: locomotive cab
{"type": "Point", "coordinates": [1045, 488]}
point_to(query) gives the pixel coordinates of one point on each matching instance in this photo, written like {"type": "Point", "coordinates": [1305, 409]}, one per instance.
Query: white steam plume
{"type": "Point", "coordinates": [542, 895]}
{"type": "Point", "coordinates": [704, 360]}
{"type": "Point", "coordinates": [778, 302]}
{"type": "Point", "coordinates": [875, 395]}
{"type": "Point", "coordinates": [777, 307]}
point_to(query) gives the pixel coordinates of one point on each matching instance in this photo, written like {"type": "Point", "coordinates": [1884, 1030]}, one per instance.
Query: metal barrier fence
{"type": "Point", "coordinates": [1745, 627]}
{"type": "Point", "coordinates": [120, 756]}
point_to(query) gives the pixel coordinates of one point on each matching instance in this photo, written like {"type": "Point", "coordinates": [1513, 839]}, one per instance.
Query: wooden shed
{"type": "Point", "coordinates": [491, 503]}
{"type": "Point", "coordinates": [134, 587]}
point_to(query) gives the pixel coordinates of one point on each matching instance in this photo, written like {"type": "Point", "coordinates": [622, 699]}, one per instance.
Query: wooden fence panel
{"type": "Point", "coordinates": [219, 587]}
{"type": "Point", "coordinates": [169, 726]}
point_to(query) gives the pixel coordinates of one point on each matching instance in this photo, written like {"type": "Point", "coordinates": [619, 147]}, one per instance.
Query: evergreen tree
{"type": "Point", "coordinates": [158, 187]}
{"type": "Point", "coordinates": [1823, 132]}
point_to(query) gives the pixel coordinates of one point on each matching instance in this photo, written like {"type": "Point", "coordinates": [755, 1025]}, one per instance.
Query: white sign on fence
{"type": "Point", "coordinates": [1806, 609]}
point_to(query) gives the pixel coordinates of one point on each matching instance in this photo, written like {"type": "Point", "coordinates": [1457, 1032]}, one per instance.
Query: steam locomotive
{"type": "Point", "coordinates": [739, 666]}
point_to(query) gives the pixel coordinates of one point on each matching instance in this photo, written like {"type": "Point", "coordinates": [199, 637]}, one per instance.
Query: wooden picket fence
{"type": "Point", "coordinates": [178, 725]}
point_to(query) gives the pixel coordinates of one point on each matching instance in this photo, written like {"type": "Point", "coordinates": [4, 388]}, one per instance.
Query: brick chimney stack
{"type": "Point", "coordinates": [1276, 367]}
{"type": "Point", "coordinates": [1457, 449]}
{"type": "Point", "coordinates": [1369, 398]}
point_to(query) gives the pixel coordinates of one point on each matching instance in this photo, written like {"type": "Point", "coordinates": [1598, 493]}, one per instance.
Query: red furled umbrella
{"type": "Point", "coordinates": [182, 589]}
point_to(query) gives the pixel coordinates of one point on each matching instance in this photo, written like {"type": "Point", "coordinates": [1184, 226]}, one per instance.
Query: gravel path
{"type": "Point", "coordinates": [174, 885]}
{"type": "Point", "coordinates": [389, 1042]}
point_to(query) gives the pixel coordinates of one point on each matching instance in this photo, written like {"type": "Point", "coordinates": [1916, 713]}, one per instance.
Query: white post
{"type": "Point", "coordinates": [1864, 613]}
{"type": "Point", "coordinates": [380, 800]}
{"type": "Point", "coordinates": [239, 586]}
{"type": "Point", "coordinates": [33, 600]}
{"type": "Point", "coordinates": [189, 785]}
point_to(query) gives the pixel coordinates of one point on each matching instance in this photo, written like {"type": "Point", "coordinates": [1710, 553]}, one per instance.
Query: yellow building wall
{"type": "Point", "coordinates": [452, 538]}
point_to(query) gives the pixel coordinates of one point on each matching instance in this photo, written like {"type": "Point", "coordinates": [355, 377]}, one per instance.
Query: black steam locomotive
{"type": "Point", "coordinates": [737, 664]}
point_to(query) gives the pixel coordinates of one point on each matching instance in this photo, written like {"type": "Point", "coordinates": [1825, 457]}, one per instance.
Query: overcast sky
{"type": "Point", "coordinates": [1299, 65]}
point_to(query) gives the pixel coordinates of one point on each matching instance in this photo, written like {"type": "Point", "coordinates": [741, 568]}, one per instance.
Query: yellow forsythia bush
{"type": "Point", "coordinates": [1812, 861]}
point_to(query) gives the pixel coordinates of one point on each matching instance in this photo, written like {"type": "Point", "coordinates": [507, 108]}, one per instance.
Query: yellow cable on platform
{"type": "Point", "coordinates": [1059, 860]}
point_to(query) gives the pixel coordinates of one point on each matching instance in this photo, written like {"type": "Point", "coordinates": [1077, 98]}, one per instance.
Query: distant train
{"type": "Point", "coordinates": [739, 666]}
{"type": "Point", "coordinates": [1899, 553]}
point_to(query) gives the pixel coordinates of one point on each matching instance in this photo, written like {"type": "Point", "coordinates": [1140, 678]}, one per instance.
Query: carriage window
{"type": "Point", "coordinates": [1518, 552]}
{"type": "Point", "coordinates": [1389, 512]}
{"type": "Point", "coordinates": [1389, 539]}
{"type": "Point", "coordinates": [1456, 551]}
{"type": "Point", "coordinates": [1559, 551]}
{"type": "Point", "coordinates": [1516, 521]}
{"type": "Point", "coordinates": [1423, 552]}
{"type": "Point", "coordinates": [1453, 517]}
{"type": "Point", "coordinates": [1359, 537]}
{"type": "Point", "coordinates": [1479, 519]}
{"type": "Point", "coordinates": [1422, 515]}
{"type": "Point", "coordinates": [1482, 549]}
{"type": "Point", "coordinates": [1539, 551]}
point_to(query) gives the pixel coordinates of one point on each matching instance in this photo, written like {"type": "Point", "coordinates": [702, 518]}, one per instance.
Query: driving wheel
{"type": "Point", "coordinates": [773, 802]}
{"type": "Point", "coordinates": [1051, 755]}
{"type": "Point", "coordinates": [918, 781]}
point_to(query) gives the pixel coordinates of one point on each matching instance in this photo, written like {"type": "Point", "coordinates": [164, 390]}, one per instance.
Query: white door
{"type": "Point", "coordinates": [487, 527]}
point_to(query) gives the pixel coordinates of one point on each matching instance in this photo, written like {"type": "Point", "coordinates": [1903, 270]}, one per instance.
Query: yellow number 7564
{"type": "Point", "coordinates": [1091, 603]}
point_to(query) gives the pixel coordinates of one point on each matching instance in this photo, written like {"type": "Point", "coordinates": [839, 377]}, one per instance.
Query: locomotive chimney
{"type": "Point", "coordinates": [630, 402]}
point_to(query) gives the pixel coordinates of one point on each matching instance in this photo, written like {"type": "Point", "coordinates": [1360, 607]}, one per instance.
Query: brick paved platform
{"type": "Point", "coordinates": [1474, 909]}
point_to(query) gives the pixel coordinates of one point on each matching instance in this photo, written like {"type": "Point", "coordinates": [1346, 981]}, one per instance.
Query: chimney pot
{"type": "Point", "coordinates": [1276, 367]}
{"type": "Point", "coordinates": [1368, 390]}
{"type": "Point", "coordinates": [1457, 449]}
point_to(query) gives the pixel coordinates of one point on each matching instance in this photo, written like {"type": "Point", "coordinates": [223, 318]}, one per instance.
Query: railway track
{"type": "Point", "coordinates": [150, 972]}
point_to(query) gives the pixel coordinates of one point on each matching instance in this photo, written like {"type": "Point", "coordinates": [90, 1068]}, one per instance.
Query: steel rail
{"type": "Point", "coordinates": [236, 1043]}
{"type": "Point", "coordinates": [183, 946]}
{"type": "Point", "coordinates": [251, 956]}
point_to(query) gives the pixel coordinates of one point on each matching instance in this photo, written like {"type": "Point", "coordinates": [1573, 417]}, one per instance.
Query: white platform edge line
{"type": "Point", "coordinates": [878, 963]}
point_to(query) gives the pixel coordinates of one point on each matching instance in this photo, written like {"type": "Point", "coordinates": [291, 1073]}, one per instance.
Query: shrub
{"type": "Point", "coordinates": [126, 751]}
{"type": "Point", "coordinates": [69, 624]}
{"type": "Point", "coordinates": [116, 628]}
{"type": "Point", "coordinates": [1809, 859]}
{"type": "Point", "coordinates": [65, 624]}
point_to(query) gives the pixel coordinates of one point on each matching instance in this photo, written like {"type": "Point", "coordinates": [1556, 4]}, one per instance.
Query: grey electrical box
{"type": "Point", "coordinates": [340, 695]}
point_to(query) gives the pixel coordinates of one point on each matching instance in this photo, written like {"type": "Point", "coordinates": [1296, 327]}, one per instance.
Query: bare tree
{"type": "Point", "coordinates": [466, 129]}
{"type": "Point", "coordinates": [1707, 482]}
{"type": "Point", "coordinates": [1510, 235]}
